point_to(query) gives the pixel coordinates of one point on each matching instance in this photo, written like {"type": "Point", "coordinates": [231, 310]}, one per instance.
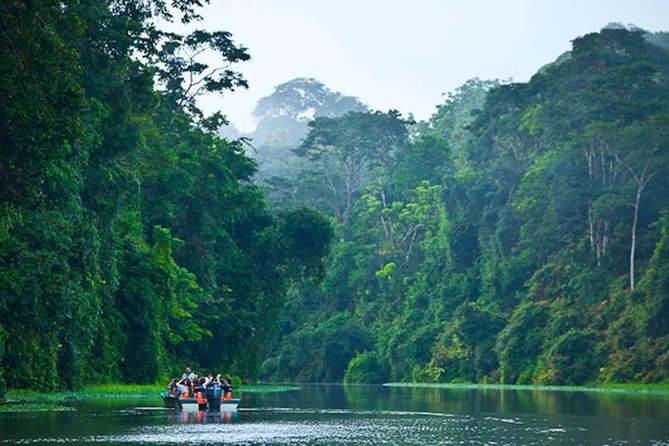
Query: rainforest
{"type": "Point", "coordinates": [518, 236]}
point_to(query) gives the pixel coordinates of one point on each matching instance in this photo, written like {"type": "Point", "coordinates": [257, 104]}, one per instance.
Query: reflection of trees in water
{"type": "Point", "coordinates": [584, 403]}
{"type": "Point", "coordinates": [477, 400]}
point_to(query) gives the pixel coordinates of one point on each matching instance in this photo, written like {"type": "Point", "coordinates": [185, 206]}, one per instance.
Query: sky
{"type": "Point", "coordinates": [404, 55]}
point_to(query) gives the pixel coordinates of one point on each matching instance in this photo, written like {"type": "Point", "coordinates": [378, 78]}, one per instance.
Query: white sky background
{"type": "Point", "coordinates": [405, 54]}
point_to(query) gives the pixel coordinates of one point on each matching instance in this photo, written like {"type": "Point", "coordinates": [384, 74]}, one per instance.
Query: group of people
{"type": "Point", "coordinates": [193, 386]}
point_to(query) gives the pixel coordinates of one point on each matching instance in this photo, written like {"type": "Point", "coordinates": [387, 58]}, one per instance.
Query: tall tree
{"type": "Point", "coordinates": [642, 151]}
{"type": "Point", "coordinates": [344, 152]}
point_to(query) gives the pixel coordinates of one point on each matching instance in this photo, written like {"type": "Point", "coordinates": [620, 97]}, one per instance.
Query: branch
{"type": "Point", "coordinates": [194, 83]}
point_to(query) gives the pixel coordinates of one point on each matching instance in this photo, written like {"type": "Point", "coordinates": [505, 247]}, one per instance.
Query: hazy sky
{"type": "Point", "coordinates": [405, 54]}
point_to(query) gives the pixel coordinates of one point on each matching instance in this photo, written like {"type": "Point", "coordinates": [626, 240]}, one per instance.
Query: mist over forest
{"type": "Point", "coordinates": [513, 237]}
{"type": "Point", "coordinates": [518, 235]}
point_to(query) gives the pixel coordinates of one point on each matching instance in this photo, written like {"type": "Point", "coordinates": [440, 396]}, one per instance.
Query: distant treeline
{"type": "Point", "coordinates": [132, 241]}
{"type": "Point", "coordinates": [521, 235]}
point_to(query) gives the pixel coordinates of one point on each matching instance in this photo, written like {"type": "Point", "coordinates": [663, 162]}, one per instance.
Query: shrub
{"type": "Point", "coordinates": [366, 368]}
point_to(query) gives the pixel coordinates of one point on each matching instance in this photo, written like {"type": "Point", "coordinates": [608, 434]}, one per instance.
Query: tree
{"type": "Point", "coordinates": [343, 152]}
{"type": "Point", "coordinates": [404, 224]}
{"type": "Point", "coordinates": [128, 229]}
{"type": "Point", "coordinates": [184, 76]}
{"type": "Point", "coordinates": [511, 262]}
{"type": "Point", "coordinates": [284, 115]}
{"type": "Point", "coordinates": [643, 153]}
{"type": "Point", "coordinates": [454, 116]}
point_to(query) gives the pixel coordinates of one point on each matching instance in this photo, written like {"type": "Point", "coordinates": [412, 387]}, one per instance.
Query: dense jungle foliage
{"type": "Point", "coordinates": [132, 241]}
{"type": "Point", "coordinates": [521, 235]}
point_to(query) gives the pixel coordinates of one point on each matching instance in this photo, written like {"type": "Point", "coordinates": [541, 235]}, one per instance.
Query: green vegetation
{"type": "Point", "coordinates": [33, 401]}
{"type": "Point", "coordinates": [283, 121]}
{"type": "Point", "coordinates": [267, 388]}
{"type": "Point", "coordinates": [35, 407]}
{"type": "Point", "coordinates": [645, 389]}
{"type": "Point", "coordinates": [87, 393]}
{"type": "Point", "coordinates": [519, 236]}
{"type": "Point", "coordinates": [107, 391]}
{"type": "Point", "coordinates": [132, 241]}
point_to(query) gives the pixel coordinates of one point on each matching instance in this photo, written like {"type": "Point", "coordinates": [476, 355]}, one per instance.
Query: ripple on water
{"type": "Point", "coordinates": [343, 427]}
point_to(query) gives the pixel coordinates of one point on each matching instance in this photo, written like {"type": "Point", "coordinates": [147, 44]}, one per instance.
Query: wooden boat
{"type": "Point", "coordinates": [211, 402]}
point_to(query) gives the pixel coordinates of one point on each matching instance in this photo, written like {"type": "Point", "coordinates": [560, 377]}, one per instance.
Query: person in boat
{"type": "Point", "coordinates": [226, 388]}
{"type": "Point", "coordinates": [213, 388]}
{"type": "Point", "coordinates": [184, 388]}
{"type": "Point", "coordinates": [199, 393]}
{"type": "Point", "coordinates": [188, 374]}
{"type": "Point", "coordinates": [208, 380]}
{"type": "Point", "coordinates": [198, 386]}
{"type": "Point", "coordinates": [172, 386]}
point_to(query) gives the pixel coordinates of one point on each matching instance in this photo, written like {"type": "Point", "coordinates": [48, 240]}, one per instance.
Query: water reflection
{"type": "Point", "coordinates": [508, 401]}
{"type": "Point", "coordinates": [348, 427]}
{"type": "Point", "coordinates": [362, 415]}
{"type": "Point", "coordinates": [200, 417]}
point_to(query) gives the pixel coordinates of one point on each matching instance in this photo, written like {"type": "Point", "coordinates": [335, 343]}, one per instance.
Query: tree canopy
{"type": "Point", "coordinates": [515, 237]}
{"type": "Point", "coordinates": [518, 236]}
{"type": "Point", "coordinates": [132, 240]}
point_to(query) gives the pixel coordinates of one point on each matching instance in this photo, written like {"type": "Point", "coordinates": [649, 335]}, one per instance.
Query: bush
{"type": "Point", "coordinates": [365, 368]}
{"type": "Point", "coordinates": [519, 343]}
{"type": "Point", "coordinates": [569, 360]}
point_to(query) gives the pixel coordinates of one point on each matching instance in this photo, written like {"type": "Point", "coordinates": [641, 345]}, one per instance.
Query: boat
{"type": "Point", "coordinates": [211, 399]}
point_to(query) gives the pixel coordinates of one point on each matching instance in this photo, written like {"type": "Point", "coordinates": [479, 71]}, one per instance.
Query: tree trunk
{"type": "Point", "coordinates": [642, 179]}
{"type": "Point", "coordinates": [634, 225]}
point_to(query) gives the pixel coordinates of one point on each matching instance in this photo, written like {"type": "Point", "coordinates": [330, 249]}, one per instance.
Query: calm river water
{"type": "Point", "coordinates": [362, 415]}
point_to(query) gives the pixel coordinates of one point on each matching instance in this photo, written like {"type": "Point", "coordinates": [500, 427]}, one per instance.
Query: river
{"type": "Point", "coordinates": [361, 415]}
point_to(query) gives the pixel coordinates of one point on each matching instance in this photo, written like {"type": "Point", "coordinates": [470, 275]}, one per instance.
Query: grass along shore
{"type": "Point", "coordinates": [33, 400]}
{"type": "Point", "coordinates": [649, 389]}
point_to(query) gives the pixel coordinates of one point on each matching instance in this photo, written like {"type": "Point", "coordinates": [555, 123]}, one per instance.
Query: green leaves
{"type": "Point", "coordinates": [504, 239]}
{"type": "Point", "coordinates": [306, 236]}
{"type": "Point", "coordinates": [490, 243]}
{"type": "Point", "coordinates": [131, 238]}
{"type": "Point", "coordinates": [345, 154]}
{"type": "Point", "coordinates": [183, 74]}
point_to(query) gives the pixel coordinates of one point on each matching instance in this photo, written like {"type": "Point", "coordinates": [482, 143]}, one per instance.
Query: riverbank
{"type": "Point", "coordinates": [647, 389]}
{"type": "Point", "coordinates": [31, 400]}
